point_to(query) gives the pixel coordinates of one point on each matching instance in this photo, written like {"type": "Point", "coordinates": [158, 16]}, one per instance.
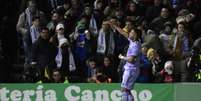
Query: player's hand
{"type": "Point", "coordinates": [121, 56]}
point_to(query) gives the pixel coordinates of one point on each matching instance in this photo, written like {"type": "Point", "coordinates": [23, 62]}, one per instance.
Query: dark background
{"type": "Point", "coordinates": [9, 12]}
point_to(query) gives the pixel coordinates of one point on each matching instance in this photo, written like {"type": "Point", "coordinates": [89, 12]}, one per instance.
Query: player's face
{"type": "Point", "coordinates": [132, 34]}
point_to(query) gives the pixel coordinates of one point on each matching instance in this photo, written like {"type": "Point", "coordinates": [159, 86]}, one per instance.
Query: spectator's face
{"type": "Point", "coordinates": [36, 22]}
{"type": "Point", "coordinates": [119, 14]}
{"type": "Point", "coordinates": [132, 34]}
{"type": "Point", "coordinates": [55, 17]}
{"type": "Point", "coordinates": [105, 26]}
{"type": "Point", "coordinates": [74, 2]}
{"type": "Point", "coordinates": [129, 25]}
{"type": "Point", "coordinates": [113, 21]}
{"type": "Point", "coordinates": [107, 11]}
{"type": "Point", "coordinates": [168, 29]}
{"type": "Point", "coordinates": [144, 50]}
{"type": "Point", "coordinates": [44, 34]}
{"type": "Point", "coordinates": [56, 76]}
{"type": "Point", "coordinates": [99, 5]}
{"type": "Point", "coordinates": [32, 7]}
{"type": "Point", "coordinates": [180, 28]}
{"type": "Point", "coordinates": [92, 64]}
{"type": "Point", "coordinates": [114, 1]}
{"type": "Point", "coordinates": [164, 13]}
{"type": "Point", "coordinates": [66, 6]}
{"type": "Point", "coordinates": [106, 61]}
{"type": "Point", "coordinates": [157, 2]}
{"type": "Point", "coordinates": [60, 31]}
{"type": "Point", "coordinates": [132, 7]}
{"type": "Point", "coordinates": [87, 10]}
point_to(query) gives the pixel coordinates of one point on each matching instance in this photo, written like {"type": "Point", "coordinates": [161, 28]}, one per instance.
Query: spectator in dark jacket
{"type": "Point", "coordinates": [43, 52]}
{"type": "Point", "coordinates": [158, 23]}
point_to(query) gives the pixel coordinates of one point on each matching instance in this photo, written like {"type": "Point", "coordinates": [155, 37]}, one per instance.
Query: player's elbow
{"type": "Point", "coordinates": [131, 59]}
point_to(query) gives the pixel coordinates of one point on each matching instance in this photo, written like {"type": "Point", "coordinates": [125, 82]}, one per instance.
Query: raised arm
{"type": "Point", "coordinates": [121, 31]}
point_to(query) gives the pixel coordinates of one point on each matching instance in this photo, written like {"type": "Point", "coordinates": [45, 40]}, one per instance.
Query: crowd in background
{"type": "Point", "coordinates": [75, 40]}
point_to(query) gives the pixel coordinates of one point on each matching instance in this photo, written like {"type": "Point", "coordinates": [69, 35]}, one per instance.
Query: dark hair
{"type": "Point", "coordinates": [35, 17]}
{"type": "Point", "coordinates": [138, 32]}
{"type": "Point", "coordinates": [102, 78]}
{"type": "Point", "coordinates": [44, 28]}
{"type": "Point", "coordinates": [56, 70]}
{"type": "Point", "coordinates": [91, 59]}
{"type": "Point", "coordinates": [182, 23]}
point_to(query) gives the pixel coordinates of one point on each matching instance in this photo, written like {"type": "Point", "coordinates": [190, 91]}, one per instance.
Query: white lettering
{"type": "Point", "coordinates": [102, 95]}
{"type": "Point", "coordinates": [27, 94]}
{"type": "Point", "coordinates": [39, 93]}
{"type": "Point", "coordinates": [3, 94]}
{"type": "Point", "coordinates": [15, 95]}
{"type": "Point", "coordinates": [68, 93]}
{"type": "Point", "coordinates": [134, 93]}
{"type": "Point", "coordinates": [87, 95]}
{"type": "Point", "coordinates": [116, 95]}
{"type": "Point", "coordinates": [50, 95]}
{"type": "Point", "coordinates": [145, 95]}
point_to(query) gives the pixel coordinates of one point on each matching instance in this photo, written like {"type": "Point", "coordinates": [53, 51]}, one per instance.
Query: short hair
{"type": "Point", "coordinates": [56, 70]}
{"type": "Point", "coordinates": [91, 59]}
{"type": "Point", "coordinates": [31, 1]}
{"type": "Point", "coordinates": [44, 28]}
{"type": "Point", "coordinates": [35, 17]}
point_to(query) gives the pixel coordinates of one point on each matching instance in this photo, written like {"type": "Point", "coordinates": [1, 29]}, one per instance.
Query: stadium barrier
{"type": "Point", "coordinates": [99, 92]}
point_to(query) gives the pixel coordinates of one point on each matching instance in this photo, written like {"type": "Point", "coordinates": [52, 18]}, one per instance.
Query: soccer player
{"type": "Point", "coordinates": [132, 58]}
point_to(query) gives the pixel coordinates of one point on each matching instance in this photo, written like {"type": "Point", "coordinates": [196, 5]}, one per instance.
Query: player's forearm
{"type": "Point", "coordinates": [128, 59]}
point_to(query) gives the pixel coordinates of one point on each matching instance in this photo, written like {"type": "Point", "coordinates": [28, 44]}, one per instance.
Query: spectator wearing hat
{"type": "Point", "coordinates": [83, 45]}
{"type": "Point", "coordinates": [61, 58]}
{"type": "Point", "coordinates": [167, 72]}
{"type": "Point", "coordinates": [59, 33]}
{"type": "Point", "coordinates": [55, 19]}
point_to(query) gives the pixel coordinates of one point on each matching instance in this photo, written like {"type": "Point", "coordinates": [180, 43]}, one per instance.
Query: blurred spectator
{"type": "Point", "coordinates": [157, 63]}
{"type": "Point", "coordinates": [153, 11]}
{"type": "Point", "coordinates": [165, 36]}
{"type": "Point", "coordinates": [167, 72]}
{"type": "Point", "coordinates": [57, 77]}
{"type": "Point", "coordinates": [179, 41]}
{"type": "Point", "coordinates": [35, 29]}
{"type": "Point", "coordinates": [108, 69]}
{"type": "Point", "coordinates": [158, 23]}
{"type": "Point", "coordinates": [194, 62]}
{"type": "Point", "coordinates": [82, 45]}
{"type": "Point", "coordinates": [88, 29]}
{"type": "Point", "coordinates": [131, 12]}
{"type": "Point", "coordinates": [105, 42]}
{"type": "Point", "coordinates": [99, 78]}
{"type": "Point", "coordinates": [43, 52]}
{"type": "Point", "coordinates": [92, 68]}
{"type": "Point", "coordinates": [145, 75]}
{"type": "Point", "coordinates": [56, 18]}
{"type": "Point", "coordinates": [152, 40]}
{"type": "Point", "coordinates": [24, 24]}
